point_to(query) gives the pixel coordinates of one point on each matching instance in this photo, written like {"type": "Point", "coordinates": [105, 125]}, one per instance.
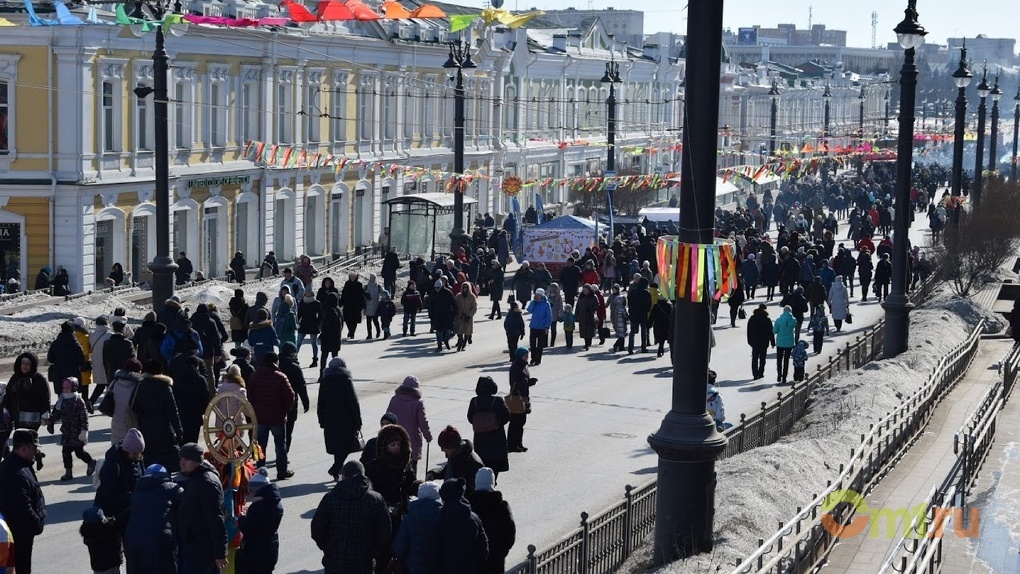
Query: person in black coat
{"type": "Point", "coordinates": [208, 333]}
{"type": "Point", "coordinates": [21, 498]}
{"type": "Point", "coordinates": [570, 280]}
{"type": "Point", "coordinates": [462, 544]}
{"type": "Point", "coordinates": [331, 335]}
{"type": "Point", "coordinates": [260, 525]}
{"type": "Point", "coordinates": [28, 394]}
{"type": "Point", "coordinates": [497, 519]}
{"type": "Point", "coordinates": [391, 262]}
{"type": "Point", "coordinates": [191, 388]}
{"type": "Point", "coordinates": [238, 307]}
{"type": "Point", "coordinates": [390, 471]}
{"type": "Point", "coordinates": [101, 534]}
{"type": "Point", "coordinates": [521, 382]}
{"type": "Point", "coordinates": [158, 417]}
{"type": "Point", "coordinates": [201, 532]}
{"type": "Point", "coordinates": [65, 357]}
{"type": "Point", "coordinates": [184, 269]}
{"type": "Point", "coordinates": [461, 460]}
{"type": "Point", "coordinates": [661, 317]}
{"type": "Point", "coordinates": [798, 305]}
{"type": "Point", "coordinates": [309, 315]}
{"type": "Point", "coordinates": [237, 265]}
{"type": "Point", "coordinates": [494, 279]}
{"type": "Point", "coordinates": [442, 311]}
{"type": "Point", "coordinates": [150, 546]}
{"type": "Point", "coordinates": [759, 337]}
{"type": "Point", "coordinates": [639, 306]}
{"type": "Point", "coordinates": [488, 416]}
{"type": "Point", "coordinates": [122, 467]}
{"type": "Point", "coordinates": [289, 366]}
{"type": "Point", "coordinates": [351, 525]}
{"type": "Point", "coordinates": [352, 301]}
{"type": "Point", "coordinates": [117, 349]}
{"type": "Point", "coordinates": [339, 413]}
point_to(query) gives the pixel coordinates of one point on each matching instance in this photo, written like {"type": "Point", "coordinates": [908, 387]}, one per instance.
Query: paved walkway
{"type": "Point", "coordinates": [924, 465]}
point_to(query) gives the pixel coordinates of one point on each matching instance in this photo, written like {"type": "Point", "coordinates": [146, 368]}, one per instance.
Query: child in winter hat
{"type": "Point", "coordinates": [74, 427]}
{"type": "Point", "coordinates": [513, 325]}
{"type": "Point", "coordinates": [429, 490]}
{"type": "Point", "coordinates": [133, 443]}
{"type": "Point", "coordinates": [102, 537]}
{"type": "Point", "coordinates": [485, 479]}
{"type": "Point", "coordinates": [258, 480]}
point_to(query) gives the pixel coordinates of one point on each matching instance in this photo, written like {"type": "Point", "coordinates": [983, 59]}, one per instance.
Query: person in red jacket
{"type": "Point", "coordinates": [272, 397]}
{"type": "Point", "coordinates": [590, 276]}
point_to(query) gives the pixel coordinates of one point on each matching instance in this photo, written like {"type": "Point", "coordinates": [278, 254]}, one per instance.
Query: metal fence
{"type": "Point", "coordinates": [601, 544]}
{"type": "Point", "coordinates": [803, 542]}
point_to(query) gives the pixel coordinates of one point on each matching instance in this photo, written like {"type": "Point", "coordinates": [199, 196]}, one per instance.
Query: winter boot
{"type": "Point", "coordinates": [67, 475]}
{"type": "Point", "coordinates": [315, 363]}
{"type": "Point", "coordinates": [92, 468]}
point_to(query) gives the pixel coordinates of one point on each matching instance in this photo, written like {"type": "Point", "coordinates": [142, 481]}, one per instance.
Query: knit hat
{"type": "Point", "coordinates": [540, 291]}
{"type": "Point", "coordinates": [93, 515]}
{"type": "Point", "coordinates": [484, 479]}
{"type": "Point", "coordinates": [262, 315]}
{"type": "Point", "coordinates": [439, 284]}
{"type": "Point", "coordinates": [150, 316]}
{"type": "Point", "coordinates": [193, 452]}
{"type": "Point", "coordinates": [452, 490]}
{"type": "Point", "coordinates": [133, 365]}
{"type": "Point", "coordinates": [270, 358]}
{"type": "Point", "coordinates": [429, 490]}
{"type": "Point", "coordinates": [390, 418]}
{"type": "Point", "coordinates": [79, 321]}
{"type": "Point", "coordinates": [750, 256]}
{"type": "Point", "coordinates": [449, 438]}
{"type": "Point", "coordinates": [352, 468]}
{"type": "Point", "coordinates": [258, 480]}
{"type": "Point", "coordinates": [411, 382]}
{"type": "Point", "coordinates": [521, 352]}
{"type": "Point", "coordinates": [242, 351]}
{"type": "Point", "coordinates": [133, 442]}
{"type": "Point", "coordinates": [155, 469]}
{"type": "Point", "coordinates": [288, 349]}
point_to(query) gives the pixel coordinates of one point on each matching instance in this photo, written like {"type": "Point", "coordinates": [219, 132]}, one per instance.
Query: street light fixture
{"type": "Point", "coordinates": [827, 97]}
{"type": "Point", "coordinates": [993, 142]}
{"type": "Point", "coordinates": [774, 95]}
{"type": "Point", "coordinates": [611, 77]}
{"type": "Point", "coordinates": [457, 64]}
{"type": "Point", "coordinates": [962, 78]}
{"type": "Point", "coordinates": [983, 91]}
{"type": "Point", "coordinates": [145, 14]}
{"type": "Point", "coordinates": [863, 97]}
{"type": "Point", "coordinates": [897, 306]}
{"type": "Point", "coordinates": [887, 110]}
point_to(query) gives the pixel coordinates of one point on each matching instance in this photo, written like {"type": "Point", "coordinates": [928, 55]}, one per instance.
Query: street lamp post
{"type": "Point", "coordinates": [924, 114]}
{"type": "Point", "coordinates": [458, 61]}
{"type": "Point", "coordinates": [983, 91]}
{"type": "Point", "coordinates": [687, 441]}
{"type": "Point", "coordinates": [611, 77]}
{"type": "Point", "coordinates": [827, 96]}
{"type": "Point", "coordinates": [961, 77]}
{"type": "Point", "coordinates": [860, 127]}
{"type": "Point", "coordinates": [774, 94]}
{"type": "Point", "coordinates": [1016, 132]}
{"type": "Point", "coordinates": [162, 265]}
{"type": "Point", "coordinates": [993, 136]}
{"type": "Point", "coordinates": [910, 35]}
{"type": "Point", "coordinates": [887, 110]}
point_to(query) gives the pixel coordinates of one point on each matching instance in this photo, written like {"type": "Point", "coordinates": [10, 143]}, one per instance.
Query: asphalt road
{"type": "Point", "coordinates": [592, 413]}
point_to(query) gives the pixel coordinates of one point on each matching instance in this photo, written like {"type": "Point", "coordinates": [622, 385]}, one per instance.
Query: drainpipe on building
{"type": "Point", "coordinates": [53, 173]}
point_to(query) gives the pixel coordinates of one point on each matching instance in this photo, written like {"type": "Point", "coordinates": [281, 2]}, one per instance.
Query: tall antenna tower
{"type": "Point", "coordinates": [874, 28]}
{"type": "Point", "coordinates": [810, 16]}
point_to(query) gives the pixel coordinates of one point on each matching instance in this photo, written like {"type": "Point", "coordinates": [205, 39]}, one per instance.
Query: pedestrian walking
{"type": "Point", "coordinates": [259, 526]}
{"type": "Point", "coordinates": [513, 325]}
{"type": "Point", "coordinates": [310, 324]}
{"type": "Point", "coordinates": [569, 325]}
{"type": "Point", "coordinates": [70, 411]}
{"type": "Point", "coordinates": [373, 294]}
{"type": "Point", "coordinates": [101, 536]}
{"type": "Point", "coordinates": [639, 306]}
{"type": "Point", "coordinates": [352, 301]}
{"type": "Point", "coordinates": [539, 325]}
{"type": "Point", "coordinates": [442, 307]}
{"type": "Point", "coordinates": [464, 321]}
{"type": "Point", "coordinates": [66, 359]}
{"type": "Point", "coordinates": [149, 539]}
{"type": "Point", "coordinates": [523, 281]}
{"type": "Point", "coordinates": [190, 388]}
{"type": "Point", "coordinates": [21, 498]}
{"type": "Point", "coordinates": [331, 336]}
{"type": "Point", "coordinates": [488, 415]}
{"type": "Point", "coordinates": [285, 320]}
{"type": "Point", "coordinates": [290, 367]}
{"type": "Point", "coordinates": [462, 543]}
{"type": "Point", "coordinates": [409, 408]}
{"type": "Point", "coordinates": [519, 399]}
{"type": "Point", "coordinates": [819, 327]}
{"type": "Point", "coordinates": [494, 280]}
{"type": "Point", "coordinates": [390, 472]}
{"type": "Point", "coordinates": [352, 526]}
{"type": "Point", "coordinates": [339, 414]}
{"type": "Point", "coordinates": [28, 394]}
{"type": "Point", "coordinates": [262, 336]}
{"type": "Point", "coordinates": [387, 311]}
{"type": "Point", "coordinates": [118, 476]}
{"type": "Point", "coordinates": [414, 547]}
{"type": "Point", "coordinates": [735, 302]}
{"type": "Point", "coordinates": [412, 304]}
{"type": "Point", "coordinates": [271, 397]}
{"type": "Point", "coordinates": [839, 303]}
{"type": "Point", "coordinates": [587, 316]}
{"type": "Point", "coordinates": [201, 532]}
{"type": "Point", "coordinates": [158, 417]}
{"type": "Point", "coordinates": [864, 272]}
{"type": "Point", "coordinates": [800, 358]}
{"type": "Point", "coordinates": [462, 462]}
{"type": "Point", "coordinates": [619, 316]}
{"type": "Point", "coordinates": [497, 520]}
{"type": "Point", "coordinates": [785, 330]}
{"type": "Point", "coordinates": [759, 337]}
{"type": "Point", "coordinates": [238, 307]}
{"type": "Point", "coordinates": [555, 297]}
{"type": "Point", "coordinates": [883, 276]}
{"type": "Point", "coordinates": [390, 265]}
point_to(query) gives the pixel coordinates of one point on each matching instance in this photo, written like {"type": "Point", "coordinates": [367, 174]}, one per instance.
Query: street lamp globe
{"type": "Point", "coordinates": [962, 75]}
{"type": "Point", "coordinates": [1016, 98]}
{"type": "Point", "coordinates": [909, 33]}
{"type": "Point", "coordinates": [827, 93]}
{"type": "Point", "coordinates": [775, 89]}
{"type": "Point", "coordinates": [996, 91]}
{"type": "Point", "coordinates": [863, 96]}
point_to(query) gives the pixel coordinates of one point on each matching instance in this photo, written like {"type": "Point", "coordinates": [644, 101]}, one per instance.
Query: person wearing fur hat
{"type": "Point", "coordinates": [339, 413]}
{"type": "Point", "coordinates": [158, 418]}
{"type": "Point", "coordinates": [352, 526]}
{"type": "Point", "coordinates": [121, 469]}
{"type": "Point", "coordinates": [521, 382]}
{"type": "Point", "coordinates": [488, 416]}
{"type": "Point", "coordinates": [462, 543]}
{"type": "Point", "coordinates": [390, 473]}
{"type": "Point", "coordinates": [28, 394]}
{"type": "Point", "coordinates": [149, 543]}
{"type": "Point", "coordinates": [409, 408]}
{"type": "Point", "coordinates": [415, 542]}
{"type": "Point", "coordinates": [74, 427]}
{"type": "Point", "coordinates": [496, 517]}
{"type": "Point", "coordinates": [461, 460]}
{"type": "Point", "coordinates": [102, 537]}
{"type": "Point", "coordinates": [368, 454]}
{"type": "Point", "coordinates": [260, 526]}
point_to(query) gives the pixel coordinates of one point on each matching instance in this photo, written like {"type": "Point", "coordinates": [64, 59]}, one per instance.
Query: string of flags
{"type": "Point", "coordinates": [695, 271]}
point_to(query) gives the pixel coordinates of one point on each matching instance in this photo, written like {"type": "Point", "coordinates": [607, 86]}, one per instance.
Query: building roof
{"type": "Point", "coordinates": [566, 222]}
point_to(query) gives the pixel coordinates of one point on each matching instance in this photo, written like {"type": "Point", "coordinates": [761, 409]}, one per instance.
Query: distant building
{"type": "Point", "coordinates": [787, 35]}
{"type": "Point", "coordinates": [627, 26]}
{"type": "Point", "coordinates": [995, 51]}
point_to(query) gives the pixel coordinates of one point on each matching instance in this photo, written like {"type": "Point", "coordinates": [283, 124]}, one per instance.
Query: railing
{"type": "Point", "coordinates": [802, 543]}
{"type": "Point", "coordinates": [599, 545]}
{"type": "Point", "coordinates": [1010, 370]}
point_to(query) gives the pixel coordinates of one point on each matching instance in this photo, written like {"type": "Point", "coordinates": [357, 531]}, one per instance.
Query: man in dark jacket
{"type": "Point", "coordinates": [639, 305]}
{"type": "Point", "coordinates": [149, 544]}
{"type": "Point", "coordinates": [289, 366]}
{"type": "Point", "coordinates": [119, 476]}
{"type": "Point", "coordinates": [190, 388]}
{"type": "Point", "coordinates": [816, 294]}
{"type": "Point", "coordinates": [390, 264]}
{"type": "Point", "coordinates": [260, 525]}
{"type": "Point", "coordinates": [209, 335]}
{"type": "Point", "coordinates": [117, 349]}
{"type": "Point", "coordinates": [184, 269]}
{"type": "Point", "coordinates": [158, 417]}
{"type": "Point", "coordinates": [309, 316]}
{"type": "Point", "coordinates": [442, 310]}
{"type": "Point", "coordinates": [352, 526]}
{"type": "Point", "coordinates": [759, 337]}
{"type": "Point", "coordinates": [570, 281]}
{"type": "Point", "coordinates": [798, 306]}
{"type": "Point", "coordinates": [497, 519]}
{"type": "Point", "coordinates": [176, 334]}
{"type": "Point", "coordinates": [463, 545]}
{"type": "Point", "coordinates": [461, 460]}
{"type": "Point", "coordinates": [271, 395]}
{"type": "Point", "coordinates": [201, 532]}
{"type": "Point", "coordinates": [21, 498]}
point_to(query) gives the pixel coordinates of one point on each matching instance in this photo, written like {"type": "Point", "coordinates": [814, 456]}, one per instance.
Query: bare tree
{"type": "Point", "coordinates": [985, 239]}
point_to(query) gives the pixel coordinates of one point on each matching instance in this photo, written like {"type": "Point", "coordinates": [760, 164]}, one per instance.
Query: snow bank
{"type": "Point", "coordinates": [760, 489]}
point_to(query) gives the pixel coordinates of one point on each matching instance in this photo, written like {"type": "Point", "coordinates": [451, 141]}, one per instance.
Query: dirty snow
{"type": "Point", "coordinates": [759, 490]}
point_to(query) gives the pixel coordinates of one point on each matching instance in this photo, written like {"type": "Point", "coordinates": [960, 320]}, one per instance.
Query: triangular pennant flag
{"type": "Point", "coordinates": [428, 11]}
{"type": "Point", "coordinates": [460, 21]}
{"type": "Point", "coordinates": [394, 10]}
{"type": "Point", "coordinates": [333, 11]}
{"type": "Point", "coordinates": [298, 13]}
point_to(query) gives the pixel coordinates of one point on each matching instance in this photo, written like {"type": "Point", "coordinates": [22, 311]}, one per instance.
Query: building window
{"type": "Point", "coordinates": [366, 110]}
{"type": "Point", "coordinates": [181, 130]}
{"type": "Point", "coordinates": [338, 103]}
{"type": "Point", "coordinates": [143, 130]}
{"type": "Point", "coordinates": [389, 115]}
{"type": "Point", "coordinates": [248, 122]}
{"type": "Point", "coordinates": [284, 123]}
{"type": "Point", "coordinates": [312, 113]}
{"type": "Point", "coordinates": [408, 119]}
{"type": "Point", "coordinates": [217, 125]}
{"type": "Point", "coordinates": [5, 111]}
{"type": "Point", "coordinates": [109, 117]}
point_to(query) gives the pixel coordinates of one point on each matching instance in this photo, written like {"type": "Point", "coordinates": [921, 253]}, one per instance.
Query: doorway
{"type": "Point", "coordinates": [359, 216]}
{"type": "Point", "coordinates": [104, 250]}
{"type": "Point", "coordinates": [210, 253]}
{"type": "Point", "coordinates": [140, 249]}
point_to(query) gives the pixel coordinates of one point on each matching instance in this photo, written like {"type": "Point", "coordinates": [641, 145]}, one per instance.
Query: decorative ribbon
{"type": "Point", "coordinates": [696, 271]}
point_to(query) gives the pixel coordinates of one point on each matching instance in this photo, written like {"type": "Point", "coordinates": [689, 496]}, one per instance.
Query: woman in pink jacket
{"type": "Point", "coordinates": [410, 410]}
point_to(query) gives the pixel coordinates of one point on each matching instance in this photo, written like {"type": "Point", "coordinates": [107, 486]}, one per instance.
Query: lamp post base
{"type": "Point", "coordinates": [687, 446]}
{"type": "Point", "coordinates": [897, 324]}
{"type": "Point", "coordinates": [458, 238]}
{"type": "Point", "coordinates": [162, 268]}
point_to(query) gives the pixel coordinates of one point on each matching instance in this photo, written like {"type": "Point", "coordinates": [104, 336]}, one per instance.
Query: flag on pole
{"type": "Point", "coordinates": [539, 209]}
{"type": "Point", "coordinates": [609, 208]}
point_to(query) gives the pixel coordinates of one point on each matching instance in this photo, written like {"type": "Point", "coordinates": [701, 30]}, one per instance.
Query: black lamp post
{"type": "Point", "coordinates": [961, 77]}
{"type": "Point", "coordinates": [687, 441]}
{"type": "Point", "coordinates": [993, 136]}
{"type": "Point", "coordinates": [827, 97]}
{"type": "Point", "coordinates": [983, 91]}
{"type": "Point", "coordinates": [1016, 132]}
{"type": "Point", "coordinates": [458, 61]}
{"type": "Point", "coordinates": [611, 77]}
{"type": "Point", "coordinates": [860, 137]}
{"type": "Point", "coordinates": [924, 114]}
{"type": "Point", "coordinates": [887, 110]}
{"type": "Point", "coordinates": [910, 35]}
{"type": "Point", "coordinates": [774, 95]}
{"type": "Point", "coordinates": [162, 265]}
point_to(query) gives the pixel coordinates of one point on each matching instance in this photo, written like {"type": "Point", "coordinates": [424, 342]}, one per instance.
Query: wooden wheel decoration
{"type": "Point", "coordinates": [229, 428]}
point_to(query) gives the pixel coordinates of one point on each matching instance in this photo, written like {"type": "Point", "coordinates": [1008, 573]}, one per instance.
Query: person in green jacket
{"type": "Point", "coordinates": [785, 330]}
{"type": "Point", "coordinates": [284, 322]}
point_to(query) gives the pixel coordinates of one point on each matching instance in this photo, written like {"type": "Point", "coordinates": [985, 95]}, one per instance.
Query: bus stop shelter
{"type": "Point", "coordinates": [420, 224]}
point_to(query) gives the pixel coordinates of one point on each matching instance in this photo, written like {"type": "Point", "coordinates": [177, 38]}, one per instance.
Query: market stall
{"type": "Point", "coordinates": [553, 241]}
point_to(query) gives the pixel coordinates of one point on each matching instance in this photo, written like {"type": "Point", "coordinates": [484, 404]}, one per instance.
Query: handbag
{"type": "Point", "coordinates": [604, 333]}
{"type": "Point", "coordinates": [236, 324]}
{"type": "Point", "coordinates": [484, 421]}
{"type": "Point", "coordinates": [741, 314]}
{"type": "Point", "coordinates": [357, 442]}
{"type": "Point", "coordinates": [108, 405]}
{"type": "Point", "coordinates": [849, 318]}
{"type": "Point", "coordinates": [515, 403]}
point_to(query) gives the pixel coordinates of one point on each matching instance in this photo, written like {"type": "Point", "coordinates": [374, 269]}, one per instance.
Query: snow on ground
{"type": "Point", "coordinates": [759, 490]}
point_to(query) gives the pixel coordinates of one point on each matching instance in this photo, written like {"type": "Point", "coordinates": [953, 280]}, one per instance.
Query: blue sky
{"type": "Point", "coordinates": [942, 18]}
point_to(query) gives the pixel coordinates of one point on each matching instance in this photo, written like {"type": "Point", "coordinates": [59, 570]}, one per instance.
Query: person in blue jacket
{"type": "Point", "coordinates": [149, 542]}
{"type": "Point", "coordinates": [260, 524]}
{"type": "Point", "coordinates": [262, 337]}
{"type": "Point", "coordinates": [541, 321]}
{"type": "Point", "coordinates": [462, 544]}
{"type": "Point", "coordinates": [415, 543]}
{"type": "Point", "coordinates": [179, 331]}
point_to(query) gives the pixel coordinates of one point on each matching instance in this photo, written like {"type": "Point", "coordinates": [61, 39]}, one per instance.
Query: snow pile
{"type": "Point", "coordinates": [760, 489]}
{"type": "Point", "coordinates": [218, 294]}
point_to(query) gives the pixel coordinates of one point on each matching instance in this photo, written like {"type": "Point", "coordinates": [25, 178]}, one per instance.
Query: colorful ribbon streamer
{"type": "Point", "coordinates": [695, 271]}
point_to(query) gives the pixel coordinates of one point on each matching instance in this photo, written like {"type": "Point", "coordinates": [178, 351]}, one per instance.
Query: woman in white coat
{"type": "Point", "coordinates": [839, 302]}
